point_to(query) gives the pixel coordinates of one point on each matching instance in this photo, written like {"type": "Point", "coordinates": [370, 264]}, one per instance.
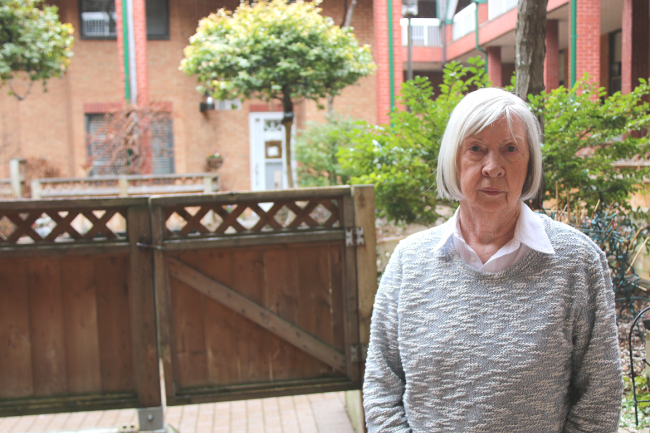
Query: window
{"type": "Point", "coordinates": [98, 19]}
{"type": "Point", "coordinates": [104, 163]}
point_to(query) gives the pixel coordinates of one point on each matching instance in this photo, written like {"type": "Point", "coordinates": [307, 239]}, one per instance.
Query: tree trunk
{"type": "Point", "coordinates": [347, 18]}
{"type": "Point", "coordinates": [287, 122]}
{"type": "Point", "coordinates": [530, 47]}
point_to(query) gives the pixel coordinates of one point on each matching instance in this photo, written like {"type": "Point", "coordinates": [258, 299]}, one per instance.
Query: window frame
{"type": "Point", "coordinates": [164, 37]}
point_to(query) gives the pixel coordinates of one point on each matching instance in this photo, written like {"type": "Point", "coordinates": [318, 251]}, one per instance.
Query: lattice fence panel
{"type": "Point", "coordinates": [54, 226]}
{"type": "Point", "coordinates": [252, 217]}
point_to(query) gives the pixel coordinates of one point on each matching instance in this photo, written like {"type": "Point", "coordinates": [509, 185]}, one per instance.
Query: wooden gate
{"type": "Point", "coordinates": [94, 291]}
{"type": "Point", "coordinates": [266, 309]}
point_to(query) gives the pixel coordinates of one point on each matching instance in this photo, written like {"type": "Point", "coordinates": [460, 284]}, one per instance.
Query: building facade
{"type": "Point", "coordinates": [611, 45]}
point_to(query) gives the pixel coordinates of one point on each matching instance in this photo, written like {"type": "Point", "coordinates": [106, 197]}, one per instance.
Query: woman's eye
{"type": "Point", "coordinates": [511, 148]}
{"type": "Point", "coordinates": [475, 148]}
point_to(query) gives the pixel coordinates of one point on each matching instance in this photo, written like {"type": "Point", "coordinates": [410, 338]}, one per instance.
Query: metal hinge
{"type": "Point", "coordinates": [358, 352]}
{"type": "Point", "coordinates": [150, 247]}
{"type": "Point", "coordinates": [354, 236]}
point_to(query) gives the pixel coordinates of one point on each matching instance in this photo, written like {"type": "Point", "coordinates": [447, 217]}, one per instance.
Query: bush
{"type": "Point", "coordinates": [316, 149]}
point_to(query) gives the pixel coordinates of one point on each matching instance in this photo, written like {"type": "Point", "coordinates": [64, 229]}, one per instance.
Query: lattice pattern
{"type": "Point", "coordinates": [50, 226]}
{"type": "Point", "coordinates": [285, 215]}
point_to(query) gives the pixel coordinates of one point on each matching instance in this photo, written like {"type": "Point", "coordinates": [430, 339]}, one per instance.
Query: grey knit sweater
{"type": "Point", "coordinates": [529, 349]}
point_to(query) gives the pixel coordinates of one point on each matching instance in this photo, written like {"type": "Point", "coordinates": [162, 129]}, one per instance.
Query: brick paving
{"type": "Point", "coordinates": [314, 413]}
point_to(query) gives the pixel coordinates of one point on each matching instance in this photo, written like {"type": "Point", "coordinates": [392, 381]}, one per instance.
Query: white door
{"type": "Point", "coordinates": [267, 147]}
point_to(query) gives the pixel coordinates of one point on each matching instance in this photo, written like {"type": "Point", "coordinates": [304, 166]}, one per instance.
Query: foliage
{"type": "Point", "coordinates": [274, 50]}
{"type": "Point", "coordinates": [584, 135]}
{"type": "Point", "coordinates": [33, 43]}
{"type": "Point", "coordinates": [316, 150]}
{"type": "Point", "coordinates": [124, 143]}
{"type": "Point", "coordinates": [400, 159]}
{"type": "Point", "coordinates": [642, 393]}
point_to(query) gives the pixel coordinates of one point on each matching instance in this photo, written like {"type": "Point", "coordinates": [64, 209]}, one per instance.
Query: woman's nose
{"type": "Point", "coordinates": [492, 167]}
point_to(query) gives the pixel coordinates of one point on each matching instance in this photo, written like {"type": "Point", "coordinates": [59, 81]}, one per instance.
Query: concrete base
{"type": "Point", "coordinates": [354, 406]}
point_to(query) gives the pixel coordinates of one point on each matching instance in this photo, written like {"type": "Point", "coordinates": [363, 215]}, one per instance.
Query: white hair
{"type": "Point", "coordinates": [473, 113]}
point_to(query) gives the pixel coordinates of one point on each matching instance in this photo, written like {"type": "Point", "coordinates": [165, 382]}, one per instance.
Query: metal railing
{"type": "Point", "coordinates": [426, 32]}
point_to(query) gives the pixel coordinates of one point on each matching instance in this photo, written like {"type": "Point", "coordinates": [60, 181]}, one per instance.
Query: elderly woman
{"type": "Point", "coordinates": [500, 320]}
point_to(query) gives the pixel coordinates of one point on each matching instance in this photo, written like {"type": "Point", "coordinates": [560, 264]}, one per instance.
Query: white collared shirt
{"type": "Point", "coordinates": [529, 235]}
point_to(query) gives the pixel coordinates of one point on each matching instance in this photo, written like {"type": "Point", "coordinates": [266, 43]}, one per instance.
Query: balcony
{"type": "Point", "coordinates": [499, 7]}
{"type": "Point", "coordinates": [464, 22]}
{"type": "Point", "coordinates": [426, 32]}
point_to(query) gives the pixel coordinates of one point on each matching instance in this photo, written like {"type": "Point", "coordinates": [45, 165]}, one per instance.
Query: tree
{"type": "Point", "coordinates": [530, 47]}
{"type": "Point", "coordinates": [33, 43]}
{"type": "Point", "coordinates": [275, 51]}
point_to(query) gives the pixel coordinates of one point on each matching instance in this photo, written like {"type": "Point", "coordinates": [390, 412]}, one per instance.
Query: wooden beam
{"type": "Point", "coordinates": [302, 194]}
{"type": "Point", "coordinates": [64, 249]}
{"type": "Point", "coordinates": [257, 314]}
{"type": "Point", "coordinates": [143, 310]}
{"type": "Point", "coordinates": [63, 205]}
{"type": "Point", "coordinates": [259, 238]}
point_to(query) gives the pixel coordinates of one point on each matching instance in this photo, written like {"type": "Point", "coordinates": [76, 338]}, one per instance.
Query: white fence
{"type": "Point", "coordinates": [426, 32]}
{"type": "Point", "coordinates": [500, 7]}
{"type": "Point", "coordinates": [464, 22]}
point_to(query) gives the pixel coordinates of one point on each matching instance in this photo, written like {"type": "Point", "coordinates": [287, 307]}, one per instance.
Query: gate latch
{"type": "Point", "coordinates": [358, 352]}
{"type": "Point", "coordinates": [150, 247]}
{"type": "Point", "coordinates": [354, 236]}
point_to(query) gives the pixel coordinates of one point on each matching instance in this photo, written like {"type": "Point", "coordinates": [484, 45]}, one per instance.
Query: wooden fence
{"type": "Point", "coordinates": [276, 303]}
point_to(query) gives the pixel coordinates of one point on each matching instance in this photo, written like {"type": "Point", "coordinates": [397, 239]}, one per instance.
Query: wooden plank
{"type": "Point", "coordinates": [114, 323]}
{"type": "Point", "coordinates": [257, 314]}
{"type": "Point", "coordinates": [366, 255]}
{"type": "Point", "coordinates": [81, 335]}
{"type": "Point", "coordinates": [351, 323]}
{"type": "Point", "coordinates": [47, 329]}
{"type": "Point", "coordinates": [16, 378]}
{"type": "Point", "coordinates": [283, 299]}
{"type": "Point", "coordinates": [221, 323]}
{"type": "Point", "coordinates": [163, 299]}
{"type": "Point", "coordinates": [253, 349]}
{"type": "Point", "coordinates": [243, 240]}
{"type": "Point", "coordinates": [255, 196]}
{"type": "Point", "coordinates": [188, 329]}
{"type": "Point", "coordinates": [21, 206]}
{"type": "Point", "coordinates": [143, 308]}
{"type": "Point", "coordinates": [62, 249]}
{"type": "Point", "coordinates": [336, 287]}
{"type": "Point", "coordinates": [74, 403]}
{"type": "Point", "coordinates": [255, 391]}
{"type": "Point", "coordinates": [315, 300]}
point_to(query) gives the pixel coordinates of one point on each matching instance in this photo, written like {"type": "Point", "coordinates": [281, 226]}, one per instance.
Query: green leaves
{"type": "Point", "coordinates": [268, 49]}
{"type": "Point", "coordinates": [584, 135]}
{"type": "Point", "coordinates": [32, 41]}
{"type": "Point", "coordinates": [400, 159]}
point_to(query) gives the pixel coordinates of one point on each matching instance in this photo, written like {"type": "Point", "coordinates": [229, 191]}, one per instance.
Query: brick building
{"type": "Point", "coordinates": [611, 45]}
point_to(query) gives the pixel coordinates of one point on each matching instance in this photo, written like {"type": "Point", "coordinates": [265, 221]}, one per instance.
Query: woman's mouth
{"type": "Point", "coordinates": [491, 191]}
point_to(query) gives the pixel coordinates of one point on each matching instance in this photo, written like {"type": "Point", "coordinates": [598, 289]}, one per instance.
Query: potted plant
{"type": "Point", "coordinates": [214, 160]}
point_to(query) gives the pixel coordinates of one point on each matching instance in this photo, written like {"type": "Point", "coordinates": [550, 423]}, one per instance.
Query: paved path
{"type": "Point", "coordinates": [314, 413]}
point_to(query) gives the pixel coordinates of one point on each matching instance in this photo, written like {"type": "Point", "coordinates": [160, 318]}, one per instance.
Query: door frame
{"type": "Point", "coordinates": [258, 182]}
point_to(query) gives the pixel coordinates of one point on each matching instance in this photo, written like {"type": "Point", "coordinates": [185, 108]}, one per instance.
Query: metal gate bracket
{"type": "Point", "coordinates": [358, 352]}
{"type": "Point", "coordinates": [354, 236]}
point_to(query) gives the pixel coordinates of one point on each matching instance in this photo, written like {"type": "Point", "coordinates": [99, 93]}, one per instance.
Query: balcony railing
{"type": "Point", "coordinates": [426, 32]}
{"type": "Point", "coordinates": [500, 7]}
{"type": "Point", "coordinates": [464, 22]}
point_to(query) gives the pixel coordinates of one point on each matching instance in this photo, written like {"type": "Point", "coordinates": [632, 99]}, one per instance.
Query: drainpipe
{"type": "Point", "coordinates": [125, 42]}
{"type": "Point", "coordinates": [133, 75]}
{"type": "Point", "coordinates": [391, 66]}
{"type": "Point", "coordinates": [478, 47]}
{"type": "Point", "coordinates": [574, 36]}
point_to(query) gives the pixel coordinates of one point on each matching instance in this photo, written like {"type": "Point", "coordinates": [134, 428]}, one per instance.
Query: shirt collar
{"type": "Point", "coordinates": [529, 231]}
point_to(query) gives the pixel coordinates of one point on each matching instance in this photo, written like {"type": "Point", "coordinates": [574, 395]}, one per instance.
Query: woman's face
{"type": "Point", "coordinates": [492, 166]}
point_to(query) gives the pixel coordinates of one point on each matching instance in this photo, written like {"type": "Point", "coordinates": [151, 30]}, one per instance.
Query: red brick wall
{"type": "Point", "coordinates": [140, 36]}
{"type": "Point", "coordinates": [588, 42]}
{"type": "Point", "coordinates": [482, 13]}
{"type": "Point", "coordinates": [495, 71]}
{"type": "Point", "coordinates": [552, 59]}
{"type": "Point", "coordinates": [634, 62]}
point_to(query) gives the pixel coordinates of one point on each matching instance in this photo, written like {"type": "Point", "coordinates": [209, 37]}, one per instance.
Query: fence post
{"type": "Point", "coordinates": [37, 189]}
{"type": "Point", "coordinates": [15, 176]}
{"type": "Point", "coordinates": [143, 319]}
{"type": "Point", "coordinates": [123, 185]}
{"type": "Point", "coordinates": [366, 258]}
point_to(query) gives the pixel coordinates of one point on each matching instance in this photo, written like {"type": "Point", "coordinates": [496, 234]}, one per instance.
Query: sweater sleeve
{"type": "Point", "coordinates": [384, 380]}
{"type": "Point", "coordinates": [596, 386]}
